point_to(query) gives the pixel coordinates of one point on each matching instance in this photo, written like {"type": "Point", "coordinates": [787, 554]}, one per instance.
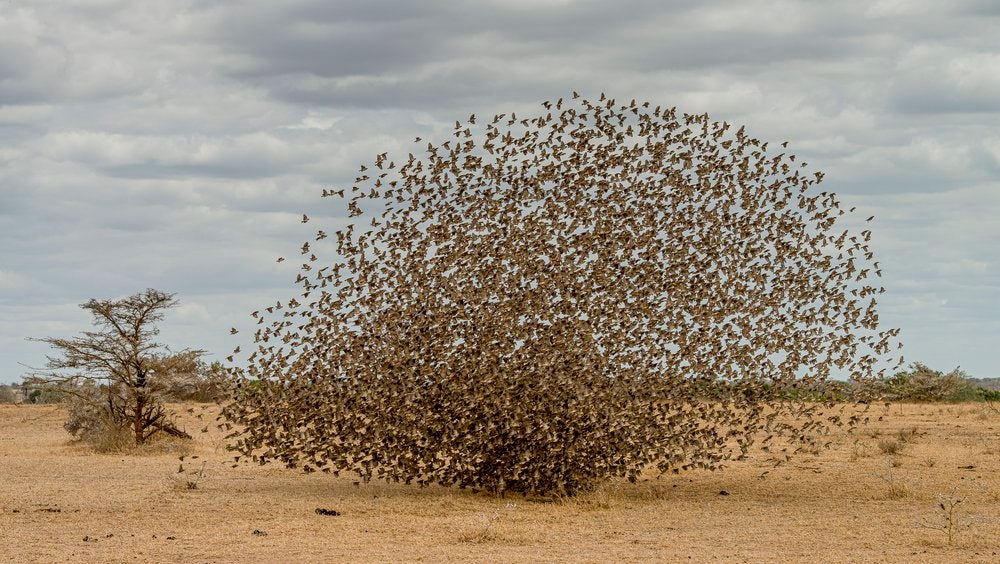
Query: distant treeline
{"type": "Point", "coordinates": [986, 383]}
{"type": "Point", "coordinates": [919, 383]}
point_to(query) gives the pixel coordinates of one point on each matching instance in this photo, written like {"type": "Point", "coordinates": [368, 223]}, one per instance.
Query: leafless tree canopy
{"type": "Point", "coordinates": [125, 368]}
{"type": "Point", "coordinates": [540, 303]}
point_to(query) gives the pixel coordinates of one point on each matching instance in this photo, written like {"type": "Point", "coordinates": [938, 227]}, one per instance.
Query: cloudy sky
{"type": "Point", "coordinates": [175, 144]}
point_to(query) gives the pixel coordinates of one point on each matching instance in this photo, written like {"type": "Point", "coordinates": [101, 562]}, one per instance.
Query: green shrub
{"type": "Point", "coordinates": [983, 394]}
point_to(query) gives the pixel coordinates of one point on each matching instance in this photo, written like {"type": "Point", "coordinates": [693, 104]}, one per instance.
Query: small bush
{"type": "Point", "coordinates": [92, 422]}
{"type": "Point", "coordinates": [890, 446]}
{"type": "Point", "coordinates": [895, 488]}
{"type": "Point", "coordinates": [948, 520]}
{"type": "Point", "coordinates": [907, 435]}
{"type": "Point", "coordinates": [7, 395]}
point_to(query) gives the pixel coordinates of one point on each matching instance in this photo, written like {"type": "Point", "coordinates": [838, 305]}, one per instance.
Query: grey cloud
{"type": "Point", "coordinates": [429, 57]}
{"type": "Point", "coordinates": [980, 8]}
{"type": "Point", "coordinates": [946, 79]}
{"type": "Point", "coordinates": [175, 144]}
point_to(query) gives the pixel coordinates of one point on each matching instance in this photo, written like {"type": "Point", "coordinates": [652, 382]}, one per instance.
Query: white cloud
{"type": "Point", "coordinates": [193, 314]}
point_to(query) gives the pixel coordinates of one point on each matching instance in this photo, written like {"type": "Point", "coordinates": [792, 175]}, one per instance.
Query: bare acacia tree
{"type": "Point", "coordinates": [122, 361]}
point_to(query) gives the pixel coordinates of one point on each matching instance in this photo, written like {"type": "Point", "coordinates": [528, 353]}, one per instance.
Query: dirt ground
{"type": "Point", "coordinates": [856, 502]}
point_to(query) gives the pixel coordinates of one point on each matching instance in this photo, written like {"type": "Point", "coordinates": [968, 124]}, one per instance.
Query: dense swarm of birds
{"type": "Point", "coordinates": [541, 303]}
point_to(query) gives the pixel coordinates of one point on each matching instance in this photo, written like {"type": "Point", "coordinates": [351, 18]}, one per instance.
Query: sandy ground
{"type": "Point", "coordinates": [61, 502]}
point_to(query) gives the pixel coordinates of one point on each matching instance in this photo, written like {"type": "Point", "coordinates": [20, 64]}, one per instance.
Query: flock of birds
{"type": "Point", "coordinates": [540, 303]}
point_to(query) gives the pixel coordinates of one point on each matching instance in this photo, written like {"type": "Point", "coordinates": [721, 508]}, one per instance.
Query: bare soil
{"type": "Point", "coordinates": [856, 502]}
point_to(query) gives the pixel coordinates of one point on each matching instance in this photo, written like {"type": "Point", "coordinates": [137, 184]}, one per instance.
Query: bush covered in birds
{"type": "Point", "coordinates": [541, 303]}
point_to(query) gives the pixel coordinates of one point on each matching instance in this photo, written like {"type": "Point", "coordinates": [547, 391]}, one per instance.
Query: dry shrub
{"type": "Point", "coordinates": [189, 477]}
{"type": "Point", "coordinates": [487, 530]}
{"type": "Point", "coordinates": [897, 490]}
{"type": "Point", "coordinates": [92, 423]}
{"type": "Point", "coordinates": [907, 435]}
{"type": "Point", "coordinates": [895, 487]}
{"type": "Point", "coordinates": [7, 394]}
{"type": "Point", "coordinates": [541, 304]}
{"type": "Point", "coordinates": [859, 450]}
{"type": "Point", "coordinates": [948, 521]}
{"type": "Point", "coordinates": [890, 446]}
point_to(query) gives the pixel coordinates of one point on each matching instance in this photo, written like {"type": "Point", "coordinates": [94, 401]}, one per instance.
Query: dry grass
{"type": "Point", "coordinates": [59, 501]}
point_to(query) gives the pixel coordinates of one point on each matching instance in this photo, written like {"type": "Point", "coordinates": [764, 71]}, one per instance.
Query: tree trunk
{"type": "Point", "coordinates": [137, 422]}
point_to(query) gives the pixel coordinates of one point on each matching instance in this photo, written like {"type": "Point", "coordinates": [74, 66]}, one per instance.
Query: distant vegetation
{"type": "Point", "coordinates": [919, 383]}
{"type": "Point", "coordinates": [203, 382]}
{"type": "Point", "coordinates": [207, 383]}
{"type": "Point", "coordinates": [923, 384]}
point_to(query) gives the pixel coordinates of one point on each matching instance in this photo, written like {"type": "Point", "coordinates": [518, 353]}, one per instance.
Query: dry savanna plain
{"type": "Point", "coordinates": [874, 496]}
